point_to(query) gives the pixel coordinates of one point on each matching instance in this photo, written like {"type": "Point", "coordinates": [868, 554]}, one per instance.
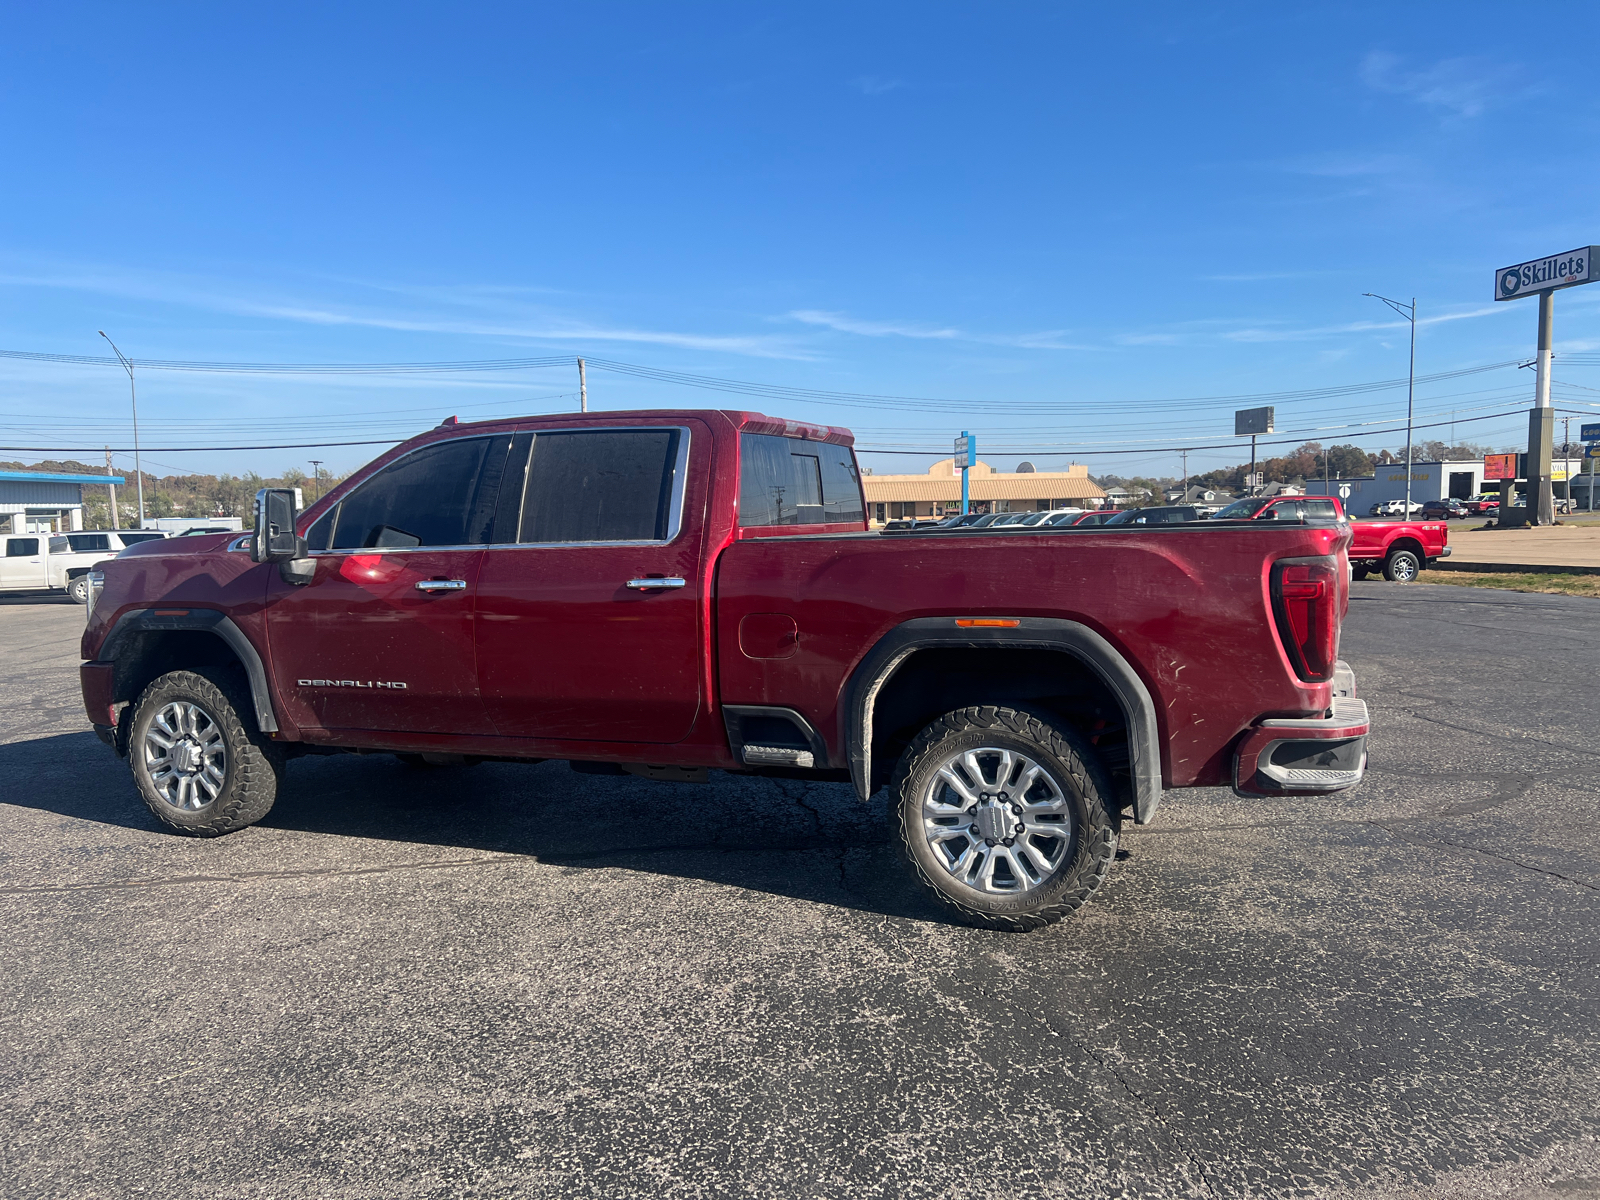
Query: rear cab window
{"type": "Point", "coordinates": [794, 485]}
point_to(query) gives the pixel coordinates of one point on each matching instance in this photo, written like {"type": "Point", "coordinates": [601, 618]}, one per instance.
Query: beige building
{"type": "Point", "coordinates": [938, 493]}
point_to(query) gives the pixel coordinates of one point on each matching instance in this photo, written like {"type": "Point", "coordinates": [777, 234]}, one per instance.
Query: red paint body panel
{"type": "Point", "coordinates": [342, 643]}
{"type": "Point", "coordinates": [97, 679]}
{"type": "Point", "coordinates": [1185, 604]}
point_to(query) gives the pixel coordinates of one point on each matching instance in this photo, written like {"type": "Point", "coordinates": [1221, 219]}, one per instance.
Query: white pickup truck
{"type": "Point", "coordinates": [60, 562]}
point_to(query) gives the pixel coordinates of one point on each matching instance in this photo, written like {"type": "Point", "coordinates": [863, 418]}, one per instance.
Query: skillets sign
{"type": "Point", "coordinates": [1545, 274]}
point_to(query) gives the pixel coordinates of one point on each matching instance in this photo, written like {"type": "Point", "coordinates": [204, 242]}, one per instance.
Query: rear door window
{"type": "Point", "coordinates": [600, 485]}
{"type": "Point", "coordinates": [1319, 510]}
{"type": "Point", "coordinates": [796, 481]}
{"type": "Point", "coordinates": [440, 495]}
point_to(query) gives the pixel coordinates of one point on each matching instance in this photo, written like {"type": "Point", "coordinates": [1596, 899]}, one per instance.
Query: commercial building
{"type": "Point", "coordinates": [1429, 481]}
{"type": "Point", "coordinates": [41, 502]}
{"type": "Point", "coordinates": [938, 493]}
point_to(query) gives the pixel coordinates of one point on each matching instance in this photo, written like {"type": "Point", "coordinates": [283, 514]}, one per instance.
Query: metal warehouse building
{"type": "Point", "coordinates": [40, 502]}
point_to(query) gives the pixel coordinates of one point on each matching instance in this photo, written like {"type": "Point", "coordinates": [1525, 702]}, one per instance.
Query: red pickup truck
{"type": "Point", "coordinates": [665, 593]}
{"type": "Point", "coordinates": [1400, 549]}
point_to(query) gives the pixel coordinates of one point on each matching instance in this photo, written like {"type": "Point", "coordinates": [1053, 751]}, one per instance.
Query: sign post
{"type": "Point", "coordinates": [1254, 421]}
{"type": "Point", "coordinates": [1542, 276]}
{"type": "Point", "coordinates": [964, 455]}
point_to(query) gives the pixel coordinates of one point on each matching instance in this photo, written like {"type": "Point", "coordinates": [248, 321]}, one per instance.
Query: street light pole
{"type": "Point", "coordinates": [1409, 312]}
{"type": "Point", "coordinates": [133, 395]}
{"type": "Point", "coordinates": [316, 478]}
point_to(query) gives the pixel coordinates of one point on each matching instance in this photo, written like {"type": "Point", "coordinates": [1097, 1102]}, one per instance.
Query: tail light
{"type": "Point", "coordinates": [1305, 603]}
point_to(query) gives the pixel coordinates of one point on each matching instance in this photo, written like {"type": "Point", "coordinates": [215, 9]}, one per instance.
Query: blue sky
{"type": "Point", "coordinates": [1063, 217]}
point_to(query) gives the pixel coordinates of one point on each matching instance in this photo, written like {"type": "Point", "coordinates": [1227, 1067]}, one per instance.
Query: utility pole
{"type": "Point", "coordinates": [1409, 312]}
{"type": "Point", "coordinates": [316, 478]}
{"type": "Point", "coordinates": [583, 389]}
{"type": "Point", "coordinates": [111, 488]}
{"type": "Point", "coordinates": [138, 470]}
{"type": "Point", "coordinates": [1251, 489]}
{"type": "Point", "coordinates": [1184, 494]}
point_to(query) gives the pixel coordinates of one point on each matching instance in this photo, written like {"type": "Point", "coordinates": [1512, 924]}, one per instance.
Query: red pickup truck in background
{"type": "Point", "coordinates": [664, 593]}
{"type": "Point", "coordinates": [1400, 549]}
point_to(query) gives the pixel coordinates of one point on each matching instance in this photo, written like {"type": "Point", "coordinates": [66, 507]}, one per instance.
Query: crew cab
{"type": "Point", "coordinates": [665, 593]}
{"type": "Point", "coordinates": [56, 562]}
{"type": "Point", "coordinates": [1399, 549]}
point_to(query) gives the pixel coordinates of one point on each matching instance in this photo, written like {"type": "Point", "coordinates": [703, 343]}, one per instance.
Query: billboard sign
{"type": "Point", "coordinates": [1543, 274]}
{"type": "Point", "coordinates": [1499, 466]}
{"type": "Point", "coordinates": [1589, 433]}
{"type": "Point", "coordinates": [1252, 420]}
{"type": "Point", "coordinates": [963, 453]}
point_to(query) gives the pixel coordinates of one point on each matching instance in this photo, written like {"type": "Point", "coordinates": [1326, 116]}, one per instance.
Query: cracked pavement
{"type": "Point", "coordinates": [523, 981]}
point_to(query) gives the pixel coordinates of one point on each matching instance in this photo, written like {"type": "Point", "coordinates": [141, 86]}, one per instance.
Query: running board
{"type": "Point", "coordinates": [778, 756]}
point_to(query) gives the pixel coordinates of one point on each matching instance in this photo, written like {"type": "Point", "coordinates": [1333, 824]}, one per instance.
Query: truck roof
{"type": "Point", "coordinates": [745, 422]}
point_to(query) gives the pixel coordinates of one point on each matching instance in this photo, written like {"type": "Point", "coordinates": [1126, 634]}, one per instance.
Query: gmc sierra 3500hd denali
{"type": "Point", "coordinates": [667, 592]}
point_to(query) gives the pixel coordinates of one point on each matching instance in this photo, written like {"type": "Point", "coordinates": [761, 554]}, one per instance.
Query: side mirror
{"type": "Point", "coordinates": [275, 539]}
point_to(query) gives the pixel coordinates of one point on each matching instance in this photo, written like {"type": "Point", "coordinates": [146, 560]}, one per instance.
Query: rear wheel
{"type": "Point", "coordinates": [201, 766]}
{"type": "Point", "coordinates": [1401, 567]}
{"type": "Point", "coordinates": [1005, 816]}
{"type": "Point", "coordinates": [78, 589]}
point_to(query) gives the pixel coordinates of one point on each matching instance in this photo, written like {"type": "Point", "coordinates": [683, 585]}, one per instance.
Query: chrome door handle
{"type": "Point", "coordinates": [441, 585]}
{"type": "Point", "coordinates": [646, 584]}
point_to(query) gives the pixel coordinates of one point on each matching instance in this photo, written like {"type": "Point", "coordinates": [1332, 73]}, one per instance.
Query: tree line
{"type": "Point", "coordinates": [176, 495]}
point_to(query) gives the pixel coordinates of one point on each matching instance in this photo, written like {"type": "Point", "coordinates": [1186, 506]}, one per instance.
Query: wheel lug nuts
{"type": "Point", "coordinates": [988, 841]}
{"type": "Point", "coordinates": [973, 828]}
{"type": "Point", "coordinates": [1010, 841]}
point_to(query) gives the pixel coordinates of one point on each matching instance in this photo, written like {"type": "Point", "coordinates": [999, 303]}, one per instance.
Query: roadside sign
{"type": "Point", "coordinates": [1499, 466]}
{"type": "Point", "coordinates": [1254, 480]}
{"type": "Point", "coordinates": [1594, 450]}
{"type": "Point", "coordinates": [963, 458]}
{"type": "Point", "coordinates": [1252, 420]}
{"type": "Point", "coordinates": [1344, 491]}
{"type": "Point", "coordinates": [1589, 433]}
{"type": "Point", "coordinates": [1545, 274]}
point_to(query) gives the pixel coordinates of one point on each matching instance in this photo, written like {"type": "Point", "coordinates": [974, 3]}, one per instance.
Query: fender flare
{"type": "Point", "coordinates": [1031, 633]}
{"type": "Point", "coordinates": [209, 620]}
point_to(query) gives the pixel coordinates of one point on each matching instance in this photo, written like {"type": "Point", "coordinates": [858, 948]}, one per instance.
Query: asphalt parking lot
{"type": "Point", "coordinates": [520, 981]}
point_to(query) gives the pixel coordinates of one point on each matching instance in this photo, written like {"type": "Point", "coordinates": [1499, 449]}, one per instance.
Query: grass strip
{"type": "Point", "coordinates": [1564, 585]}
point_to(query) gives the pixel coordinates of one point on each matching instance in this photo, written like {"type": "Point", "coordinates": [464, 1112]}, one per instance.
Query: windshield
{"type": "Point", "coordinates": [1241, 510]}
{"type": "Point", "coordinates": [1125, 517]}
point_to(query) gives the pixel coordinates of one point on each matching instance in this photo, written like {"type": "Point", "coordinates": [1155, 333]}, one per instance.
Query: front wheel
{"type": "Point", "coordinates": [1401, 567]}
{"type": "Point", "coordinates": [1005, 816]}
{"type": "Point", "coordinates": [201, 766]}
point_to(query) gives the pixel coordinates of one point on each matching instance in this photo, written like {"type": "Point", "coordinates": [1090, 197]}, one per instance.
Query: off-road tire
{"type": "Point", "coordinates": [1402, 567]}
{"type": "Point", "coordinates": [78, 589]}
{"type": "Point", "coordinates": [253, 764]}
{"type": "Point", "coordinates": [1076, 768]}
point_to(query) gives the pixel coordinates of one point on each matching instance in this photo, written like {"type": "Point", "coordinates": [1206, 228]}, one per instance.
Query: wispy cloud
{"type": "Point", "coordinates": [875, 85]}
{"type": "Point", "coordinates": [470, 311]}
{"type": "Point", "coordinates": [1458, 87]}
{"type": "Point", "coordinates": [844, 323]}
{"type": "Point", "coordinates": [1337, 164]}
{"type": "Point", "coordinates": [1045, 339]}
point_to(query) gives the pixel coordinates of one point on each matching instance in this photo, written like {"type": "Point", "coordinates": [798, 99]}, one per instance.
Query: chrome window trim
{"type": "Point", "coordinates": [680, 469]}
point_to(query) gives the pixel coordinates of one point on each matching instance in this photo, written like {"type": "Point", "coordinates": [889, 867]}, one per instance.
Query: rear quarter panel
{"type": "Point", "coordinates": [1187, 606]}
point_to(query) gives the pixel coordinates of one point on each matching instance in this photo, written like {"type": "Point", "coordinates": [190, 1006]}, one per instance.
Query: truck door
{"type": "Point", "coordinates": [381, 638]}
{"type": "Point", "coordinates": [23, 565]}
{"type": "Point", "coordinates": [589, 622]}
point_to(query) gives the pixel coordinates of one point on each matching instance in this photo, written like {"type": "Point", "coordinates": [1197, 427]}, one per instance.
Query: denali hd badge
{"type": "Point", "coordinates": [349, 683]}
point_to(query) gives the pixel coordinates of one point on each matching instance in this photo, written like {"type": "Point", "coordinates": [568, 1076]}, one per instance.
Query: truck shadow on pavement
{"type": "Point", "coordinates": [810, 841]}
